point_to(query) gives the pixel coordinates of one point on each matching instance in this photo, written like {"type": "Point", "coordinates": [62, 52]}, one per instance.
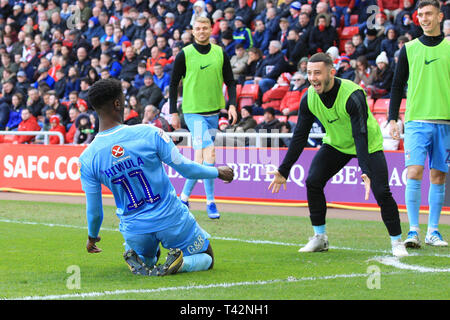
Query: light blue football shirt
{"type": "Point", "coordinates": [128, 160]}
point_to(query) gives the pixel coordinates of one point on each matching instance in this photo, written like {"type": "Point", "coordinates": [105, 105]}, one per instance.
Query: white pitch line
{"type": "Point", "coordinates": [395, 262]}
{"type": "Point", "coordinates": [224, 238]}
{"type": "Point", "coordinates": [207, 286]}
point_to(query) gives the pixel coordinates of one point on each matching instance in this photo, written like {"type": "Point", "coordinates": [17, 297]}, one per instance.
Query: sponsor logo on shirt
{"type": "Point", "coordinates": [117, 151]}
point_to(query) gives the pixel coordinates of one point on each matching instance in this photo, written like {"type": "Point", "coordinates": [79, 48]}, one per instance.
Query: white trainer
{"type": "Point", "coordinates": [399, 249]}
{"type": "Point", "coordinates": [317, 243]}
{"type": "Point", "coordinates": [435, 239]}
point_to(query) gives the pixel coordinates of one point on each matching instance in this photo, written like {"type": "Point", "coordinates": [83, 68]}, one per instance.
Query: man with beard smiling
{"type": "Point", "coordinates": [351, 131]}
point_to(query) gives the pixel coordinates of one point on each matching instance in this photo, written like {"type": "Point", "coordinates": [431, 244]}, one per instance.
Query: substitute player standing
{"type": "Point", "coordinates": [351, 130]}
{"type": "Point", "coordinates": [129, 161]}
{"type": "Point", "coordinates": [204, 68]}
{"type": "Point", "coordinates": [424, 65]}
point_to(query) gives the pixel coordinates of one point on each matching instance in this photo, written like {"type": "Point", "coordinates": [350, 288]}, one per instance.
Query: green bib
{"type": "Point", "coordinates": [203, 82]}
{"type": "Point", "coordinates": [337, 123]}
{"type": "Point", "coordinates": [428, 96]}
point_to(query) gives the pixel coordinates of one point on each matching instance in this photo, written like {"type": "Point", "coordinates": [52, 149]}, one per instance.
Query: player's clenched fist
{"type": "Point", "coordinates": [91, 246]}
{"type": "Point", "coordinates": [226, 173]}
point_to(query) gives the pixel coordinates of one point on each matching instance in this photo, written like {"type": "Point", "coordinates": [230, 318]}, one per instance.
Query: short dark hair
{"type": "Point", "coordinates": [434, 3]}
{"type": "Point", "coordinates": [322, 57]}
{"type": "Point", "coordinates": [104, 91]}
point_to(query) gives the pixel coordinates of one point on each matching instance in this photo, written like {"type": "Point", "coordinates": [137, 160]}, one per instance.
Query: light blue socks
{"type": "Point", "coordinates": [209, 185]}
{"type": "Point", "coordinates": [320, 229]}
{"type": "Point", "coordinates": [196, 262]}
{"type": "Point", "coordinates": [413, 199]}
{"type": "Point", "coordinates": [436, 196]}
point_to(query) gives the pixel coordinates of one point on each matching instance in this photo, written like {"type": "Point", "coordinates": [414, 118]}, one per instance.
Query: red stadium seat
{"type": "Point", "coordinates": [381, 105]}
{"type": "Point", "coordinates": [402, 117]}
{"type": "Point", "coordinates": [258, 119]}
{"type": "Point", "coordinates": [370, 103]}
{"type": "Point", "coordinates": [401, 145]}
{"type": "Point", "coordinates": [354, 19]}
{"type": "Point", "coordinates": [250, 91]}
{"type": "Point", "coordinates": [380, 117]}
{"type": "Point", "coordinates": [281, 118]}
{"type": "Point", "coordinates": [293, 119]}
{"type": "Point", "coordinates": [348, 32]}
{"type": "Point", "coordinates": [403, 106]}
{"type": "Point", "coordinates": [245, 101]}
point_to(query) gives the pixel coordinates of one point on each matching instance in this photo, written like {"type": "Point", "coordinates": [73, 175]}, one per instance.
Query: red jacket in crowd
{"type": "Point", "coordinates": [30, 124]}
{"type": "Point", "coordinates": [390, 4]}
{"type": "Point", "coordinates": [56, 126]}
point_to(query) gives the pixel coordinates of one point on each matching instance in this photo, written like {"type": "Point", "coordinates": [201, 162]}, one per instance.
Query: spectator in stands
{"type": "Point", "coordinates": [301, 67]}
{"type": "Point", "coordinates": [34, 102]}
{"type": "Point", "coordinates": [60, 110]}
{"type": "Point", "coordinates": [244, 11]}
{"type": "Point", "coordinates": [152, 116]}
{"type": "Point", "coordinates": [163, 46]}
{"type": "Point", "coordinates": [282, 35]}
{"type": "Point", "coordinates": [113, 66]}
{"type": "Point", "coordinates": [381, 24]}
{"type": "Point", "coordinates": [390, 7]}
{"type": "Point", "coordinates": [15, 112]}
{"type": "Point", "coordinates": [182, 15]}
{"type": "Point", "coordinates": [55, 126]}
{"type": "Point", "coordinates": [350, 50]}
{"type": "Point", "coordinates": [294, 12]}
{"type": "Point", "coordinates": [291, 100]}
{"type": "Point", "coordinates": [357, 41]}
{"type": "Point", "coordinates": [128, 89]}
{"type": "Point", "coordinates": [383, 78]}
{"type": "Point", "coordinates": [246, 122]}
{"type": "Point", "coordinates": [199, 11]}
{"type": "Point", "coordinates": [272, 66]}
{"type": "Point", "coordinates": [270, 125]}
{"type": "Point", "coordinates": [138, 81]}
{"type": "Point", "coordinates": [150, 93]}
{"type": "Point", "coordinates": [95, 29]}
{"type": "Point", "coordinates": [364, 73]}
{"type": "Point", "coordinates": [71, 128]}
{"type": "Point", "coordinates": [407, 26]}
{"type": "Point", "coordinates": [322, 8]}
{"type": "Point", "coordinates": [342, 8]}
{"type": "Point", "coordinates": [22, 83]}
{"type": "Point", "coordinates": [255, 57]}
{"type": "Point", "coordinates": [161, 78]}
{"type": "Point", "coordinates": [345, 71]}
{"type": "Point", "coordinates": [373, 45]}
{"type": "Point", "coordinates": [84, 133]}
{"type": "Point", "coordinates": [228, 43]}
{"type": "Point", "coordinates": [129, 64]}
{"type": "Point", "coordinates": [130, 116]}
{"type": "Point", "coordinates": [447, 28]}
{"type": "Point", "coordinates": [73, 81]}
{"type": "Point", "coordinates": [285, 127]}
{"type": "Point", "coordinates": [241, 33]}
{"type": "Point", "coordinates": [136, 106]}
{"type": "Point", "coordinates": [261, 36]}
{"type": "Point", "coordinates": [223, 124]}
{"type": "Point", "coordinates": [389, 45]}
{"type": "Point", "coordinates": [60, 85]}
{"type": "Point", "coordinates": [272, 22]}
{"type": "Point", "coordinates": [75, 101]}
{"type": "Point", "coordinates": [157, 56]}
{"type": "Point", "coordinates": [323, 35]}
{"type": "Point", "coordinates": [239, 61]}
{"type": "Point", "coordinates": [28, 123]}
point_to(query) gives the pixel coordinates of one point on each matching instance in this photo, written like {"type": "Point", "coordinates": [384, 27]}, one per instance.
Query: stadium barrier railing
{"type": "Point", "coordinates": [46, 135]}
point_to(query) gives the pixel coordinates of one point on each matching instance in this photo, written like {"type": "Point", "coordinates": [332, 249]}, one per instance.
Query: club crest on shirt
{"type": "Point", "coordinates": [117, 151]}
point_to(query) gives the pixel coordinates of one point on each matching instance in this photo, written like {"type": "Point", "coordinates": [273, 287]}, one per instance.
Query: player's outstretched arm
{"type": "Point", "coordinates": [94, 216]}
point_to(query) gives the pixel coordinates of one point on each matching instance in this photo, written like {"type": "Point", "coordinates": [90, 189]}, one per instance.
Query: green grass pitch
{"type": "Point", "coordinates": [44, 257]}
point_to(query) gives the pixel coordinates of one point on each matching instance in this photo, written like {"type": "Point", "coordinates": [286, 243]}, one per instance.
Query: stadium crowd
{"type": "Point", "coordinates": [53, 51]}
